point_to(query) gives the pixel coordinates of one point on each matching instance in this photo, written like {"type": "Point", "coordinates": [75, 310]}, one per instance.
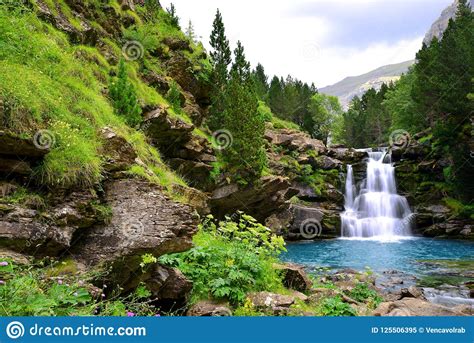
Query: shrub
{"type": "Point", "coordinates": [230, 259]}
{"type": "Point", "coordinates": [362, 292]}
{"type": "Point", "coordinates": [124, 97]}
{"type": "Point", "coordinates": [57, 290]}
{"type": "Point", "coordinates": [174, 97]}
{"type": "Point", "coordinates": [336, 307]}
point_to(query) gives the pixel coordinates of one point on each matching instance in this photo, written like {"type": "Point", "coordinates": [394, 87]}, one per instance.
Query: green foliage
{"type": "Point", "coordinates": [325, 114]}
{"type": "Point", "coordinates": [48, 83]}
{"type": "Point", "coordinates": [460, 209]}
{"type": "Point", "coordinates": [124, 96]}
{"type": "Point", "coordinates": [334, 306]}
{"type": "Point", "coordinates": [174, 97]}
{"type": "Point", "coordinates": [367, 122]}
{"type": "Point", "coordinates": [289, 100]}
{"type": "Point", "coordinates": [268, 116]}
{"type": "Point", "coordinates": [441, 91]}
{"type": "Point", "coordinates": [260, 80]}
{"type": "Point", "coordinates": [362, 293]}
{"type": "Point", "coordinates": [25, 197]}
{"type": "Point", "coordinates": [247, 230]}
{"type": "Point", "coordinates": [221, 58]}
{"type": "Point", "coordinates": [247, 310]}
{"type": "Point", "coordinates": [57, 290]}
{"type": "Point", "coordinates": [230, 259]}
{"type": "Point", "coordinates": [173, 15]}
{"type": "Point", "coordinates": [245, 158]}
{"type": "Point", "coordinates": [190, 33]}
{"type": "Point", "coordinates": [401, 106]}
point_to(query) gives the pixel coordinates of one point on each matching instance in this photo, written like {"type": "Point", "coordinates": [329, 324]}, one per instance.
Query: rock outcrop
{"type": "Point", "coordinates": [18, 155]}
{"type": "Point", "coordinates": [267, 196]}
{"type": "Point", "coordinates": [188, 153]}
{"type": "Point", "coordinates": [31, 231]}
{"type": "Point", "coordinates": [144, 221]}
{"type": "Point", "coordinates": [420, 176]}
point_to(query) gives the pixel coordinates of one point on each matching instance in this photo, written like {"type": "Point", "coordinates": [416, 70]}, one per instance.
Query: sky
{"type": "Point", "coordinates": [320, 41]}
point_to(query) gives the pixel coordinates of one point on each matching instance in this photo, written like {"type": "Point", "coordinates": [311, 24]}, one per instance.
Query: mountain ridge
{"type": "Point", "coordinates": [352, 86]}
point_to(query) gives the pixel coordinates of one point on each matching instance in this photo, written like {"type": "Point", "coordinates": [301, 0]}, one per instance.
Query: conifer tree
{"type": "Point", "coordinates": [221, 58]}
{"type": "Point", "coordinates": [124, 96]}
{"type": "Point", "coordinates": [261, 82]}
{"type": "Point", "coordinates": [245, 158]}
{"type": "Point", "coordinates": [190, 32]}
{"type": "Point", "coordinates": [173, 16]}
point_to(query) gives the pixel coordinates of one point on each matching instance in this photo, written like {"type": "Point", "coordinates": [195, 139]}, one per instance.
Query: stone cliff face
{"type": "Point", "coordinates": [441, 24]}
{"type": "Point", "coordinates": [420, 177]}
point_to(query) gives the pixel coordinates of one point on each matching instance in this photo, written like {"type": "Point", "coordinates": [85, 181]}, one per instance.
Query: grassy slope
{"type": "Point", "coordinates": [49, 83]}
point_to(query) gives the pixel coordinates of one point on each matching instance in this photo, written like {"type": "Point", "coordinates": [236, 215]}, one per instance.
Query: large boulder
{"type": "Point", "coordinates": [295, 141]}
{"type": "Point", "coordinates": [21, 230]}
{"type": "Point", "coordinates": [261, 200]}
{"type": "Point", "coordinates": [294, 277]}
{"type": "Point", "coordinates": [31, 231]}
{"type": "Point", "coordinates": [12, 145]}
{"type": "Point", "coordinates": [186, 152]}
{"type": "Point", "coordinates": [209, 308]}
{"type": "Point", "coordinates": [274, 302]}
{"type": "Point", "coordinates": [312, 222]}
{"type": "Point", "coordinates": [347, 155]}
{"type": "Point", "coordinates": [180, 68]}
{"type": "Point", "coordinates": [119, 153]}
{"type": "Point", "coordinates": [327, 163]}
{"type": "Point", "coordinates": [19, 155]}
{"type": "Point", "coordinates": [167, 285]}
{"type": "Point", "coordinates": [414, 307]}
{"type": "Point", "coordinates": [164, 130]}
{"type": "Point", "coordinates": [144, 221]}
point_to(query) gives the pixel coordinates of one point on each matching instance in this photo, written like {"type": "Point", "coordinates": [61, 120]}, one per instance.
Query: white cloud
{"type": "Point", "coordinates": [287, 44]}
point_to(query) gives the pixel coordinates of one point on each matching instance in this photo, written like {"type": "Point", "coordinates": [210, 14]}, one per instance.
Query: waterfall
{"type": "Point", "coordinates": [377, 211]}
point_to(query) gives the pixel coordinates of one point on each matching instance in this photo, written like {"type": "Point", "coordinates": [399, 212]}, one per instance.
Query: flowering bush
{"type": "Point", "coordinates": [230, 259]}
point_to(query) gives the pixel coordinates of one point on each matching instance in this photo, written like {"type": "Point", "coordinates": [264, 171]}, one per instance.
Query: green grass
{"type": "Point", "coordinates": [277, 123]}
{"type": "Point", "coordinates": [49, 84]}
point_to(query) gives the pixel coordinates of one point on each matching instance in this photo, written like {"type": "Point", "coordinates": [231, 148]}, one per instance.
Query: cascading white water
{"type": "Point", "coordinates": [377, 211]}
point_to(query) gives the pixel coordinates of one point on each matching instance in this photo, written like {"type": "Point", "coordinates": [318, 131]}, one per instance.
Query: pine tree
{"type": "Point", "coordinates": [453, 129]}
{"type": "Point", "coordinates": [221, 58]}
{"type": "Point", "coordinates": [190, 33]}
{"type": "Point", "coordinates": [173, 16]}
{"type": "Point", "coordinates": [261, 82]}
{"type": "Point", "coordinates": [426, 88]}
{"type": "Point", "coordinates": [275, 96]}
{"type": "Point", "coordinates": [124, 96]}
{"type": "Point", "coordinates": [245, 158]}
